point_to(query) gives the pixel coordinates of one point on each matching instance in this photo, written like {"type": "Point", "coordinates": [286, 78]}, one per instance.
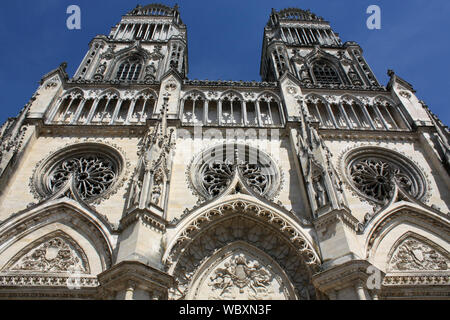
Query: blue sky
{"type": "Point", "coordinates": [225, 40]}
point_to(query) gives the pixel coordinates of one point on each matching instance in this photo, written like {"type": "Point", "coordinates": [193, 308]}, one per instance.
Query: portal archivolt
{"type": "Point", "coordinates": [240, 272]}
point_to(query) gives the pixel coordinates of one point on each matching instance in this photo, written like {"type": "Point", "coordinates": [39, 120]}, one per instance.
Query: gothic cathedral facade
{"type": "Point", "coordinates": [131, 181]}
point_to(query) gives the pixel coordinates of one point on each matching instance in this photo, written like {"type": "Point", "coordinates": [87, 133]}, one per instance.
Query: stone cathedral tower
{"type": "Point", "coordinates": [130, 181]}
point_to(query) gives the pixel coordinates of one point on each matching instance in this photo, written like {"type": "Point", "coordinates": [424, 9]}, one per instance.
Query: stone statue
{"type": "Point", "coordinates": [321, 194]}
{"type": "Point", "coordinates": [304, 74]}
{"type": "Point", "coordinates": [137, 192]}
{"type": "Point", "coordinates": [150, 72]}
{"type": "Point", "coordinates": [156, 195]}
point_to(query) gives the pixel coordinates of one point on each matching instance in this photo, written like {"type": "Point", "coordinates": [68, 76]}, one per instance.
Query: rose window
{"type": "Point", "coordinates": [212, 171]}
{"type": "Point", "coordinates": [376, 176]}
{"type": "Point", "coordinates": [88, 170]}
{"type": "Point", "coordinates": [92, 174]}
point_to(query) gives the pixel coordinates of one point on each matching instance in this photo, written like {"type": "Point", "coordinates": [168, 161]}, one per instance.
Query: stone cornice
{"type": "Point", "coordinates": [45, 280]}
{"type": "Point", "coordinates": [130, 131]}
{"type": "Point", "coordinates": [230, 83]}
{"type": "Point", "coordinates": [333, 216]}
{"type": "Point", "coordinates": [344, 87]}
{"type": "Point", "coordinates": [350, 273]}
{"type": "Point", "coordinates": [377, 135]}
{"type": "Point", "coordinates": [406, 279]}
{"type": "Point", "coordinates": [120, 275]}
{"type": "Point", "coordinates": [145, 216]}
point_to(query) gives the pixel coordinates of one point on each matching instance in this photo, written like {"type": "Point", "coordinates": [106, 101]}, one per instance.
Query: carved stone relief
{"type": "Point", "coordinates": [415, 255]}
{"type": "Point", "coordinates": [241, 274]}
{"type": "Point", "coordinates": [56, 254]}
{"type": "Point", "coordinates": [212, 171]}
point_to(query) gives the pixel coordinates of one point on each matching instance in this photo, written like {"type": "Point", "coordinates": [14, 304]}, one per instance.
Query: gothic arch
{"type": "Point", "coordinates": [319, 55]}
{"type": "Point", "coordinates": [120, 56]}
{"type": "Point", "coordinates": [146, 92]}
{"type": "Point", "coordinates": [196, 92]}
{"type": "Point", "coordinates": [74, 91]}
{"type": "Point", "coordinates": [62, 214]}
{"type": "Point", "coordinates": [233, 93]}
{"type": "Point", "coordinates": [135, 49]}
{"type": "Point", "coordinates": [110, 92]}
{"type": "Point", "coordinates": [403, 215]}
{"type": "Point", "coordinates": [245, 218]}
{"type": "Point", "coordinates": [269, 95]}
{"type": "Point", "coordinates": [349, 98]}
{"type": "Point", "coordinates": [315, 96]}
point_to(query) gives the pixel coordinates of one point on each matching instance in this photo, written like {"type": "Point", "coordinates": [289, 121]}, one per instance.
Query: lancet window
{"type": "Point", "coordinates": [108, 108]}
{"type": "Point", "coordinates": [325, 74]}
{"type": "Point", "coordinates": [129, 69]}
{"type": "Point", "coordinates": [351, 114]}
{"type": "Point", "coordinates": [231, 109]}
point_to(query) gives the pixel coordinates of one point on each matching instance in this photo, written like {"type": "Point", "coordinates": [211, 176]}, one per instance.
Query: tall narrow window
{"type": "Point", "coordinates": [265, 112]}
{"type": "Point", "coordinates": [188, 110]}
{"type": "Point", "coordinates": [275, 113]}
{"type": "Point", "coordinates": [338, 116]}
{"type": "Point", "coordinates": [324, 115]}
{"type": "Point", "coordinates": [375, 118]}
{"type": "Point", "coordinates": [123, 112]}
{"type": "Point", "coordinates": [129, 69]}
{"type": "Point", "coordinates": [352, 117]}
{"type": "Point", "coordinates": [198, 110]}
{"type": "Point", "coordinates": [82, 118]}
{"type": "Point", "coordinates": [227, 111]}
{"type": "Point", "coordinates": [212, 112]}
{"type": "Point", "coordinates": [252, 117]}
{"type": "Point", "coordinates": [325, 74]}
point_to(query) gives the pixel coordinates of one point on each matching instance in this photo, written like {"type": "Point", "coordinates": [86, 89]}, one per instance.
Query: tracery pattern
{"type": "Point", "coordinates": [54, 255]}
{"type": "Point", "coordinates": [93, 175]}
{"type": "Point", "coordinates": [212, 171]}
{"type": "Point", "coordinates": [414, 255]}
{"type": "Point", "coordinates": [374, 177]}
{"type": "Point", "coordinates": [217, 176]}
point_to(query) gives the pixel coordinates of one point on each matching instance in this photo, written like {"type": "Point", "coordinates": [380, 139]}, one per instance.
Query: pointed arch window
{"type": "Point", "coordinates": [129, 69]}
{"type": "Point", "coordinates": [325, 74]}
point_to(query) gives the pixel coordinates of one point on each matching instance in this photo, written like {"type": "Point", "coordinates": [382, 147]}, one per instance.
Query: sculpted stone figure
{"type": "Point", "coordinates": [150, 72]}
{"type": "Point", "coordinates": [321, 194]}
{"type": "Point", "coordinates": [137, 192]}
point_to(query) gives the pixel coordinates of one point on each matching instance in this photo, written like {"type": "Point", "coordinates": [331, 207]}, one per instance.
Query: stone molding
{"type": "Point", "coordinates": [342, 276]}
{"type": "Point", "coordinates": [136, 274]}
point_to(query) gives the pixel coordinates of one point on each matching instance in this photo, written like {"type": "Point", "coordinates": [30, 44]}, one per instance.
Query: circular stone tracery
{"type": "Point", "coordinates": [213, 170]}
{"type": "Point", "coordinates": [375, 174]}
{"type": "Point", "coordinates": [92, 170]}
{"type": "Point", "coordinates": [93, 175]}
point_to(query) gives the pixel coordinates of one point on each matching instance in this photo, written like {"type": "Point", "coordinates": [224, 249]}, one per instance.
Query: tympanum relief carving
{"type": "Point", "coordinates": [55, 255]}
{"type": "Point", "coordinates": [240, 273]}
{"type": "Point", "coordinates": [415, 255]}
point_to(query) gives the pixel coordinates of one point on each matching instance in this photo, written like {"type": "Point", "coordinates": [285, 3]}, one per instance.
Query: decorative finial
{"type": "Point", "coordinates": [391, 73]}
